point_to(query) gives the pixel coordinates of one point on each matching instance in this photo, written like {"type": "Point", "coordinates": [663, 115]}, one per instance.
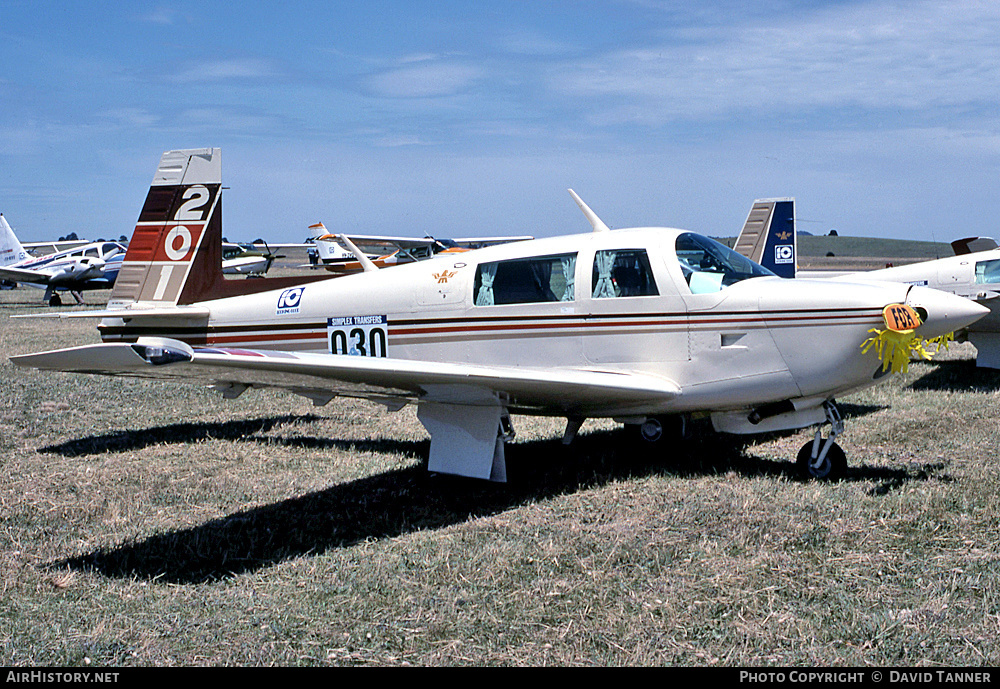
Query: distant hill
{"type": "Point", "coordinates": [865, 247]}
{"type": "Point", "coordinates": [868, 247]}
{"type": "Point", "coordinates": [860, 253]}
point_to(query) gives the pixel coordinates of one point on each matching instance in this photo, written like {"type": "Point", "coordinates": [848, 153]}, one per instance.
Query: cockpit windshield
{"type": "Point", "coordinates": [708, 266]}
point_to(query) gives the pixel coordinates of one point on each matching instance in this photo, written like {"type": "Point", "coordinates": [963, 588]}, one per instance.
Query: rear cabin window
{"type": "Point", "coordinates": [622, 273]}
{"type": "Point", "coordinates": [526, 280]}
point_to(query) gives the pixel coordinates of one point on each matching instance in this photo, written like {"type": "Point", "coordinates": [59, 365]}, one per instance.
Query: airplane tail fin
{"type": "Point", "coordinates": [11, 251]}
{"type": "Point", "coordinates": [769, 237]}
{"type": "Point", "coordinates": [175, 254]}
{"type": "Point", "coordinates": [971, 245]}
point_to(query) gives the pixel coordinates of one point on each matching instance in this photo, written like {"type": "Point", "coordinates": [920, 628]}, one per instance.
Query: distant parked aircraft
{"type": "Point", "coordinates": [973, 273]}
{"type": "Point", "coordinates": [93, 265]}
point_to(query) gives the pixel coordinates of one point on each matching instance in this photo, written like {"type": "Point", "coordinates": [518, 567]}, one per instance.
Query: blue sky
{"type": "Point", "coordinates": [473, 118]}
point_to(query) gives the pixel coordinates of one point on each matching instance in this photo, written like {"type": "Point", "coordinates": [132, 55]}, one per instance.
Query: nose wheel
{"type": "Point", "coordinates": [824, 459]}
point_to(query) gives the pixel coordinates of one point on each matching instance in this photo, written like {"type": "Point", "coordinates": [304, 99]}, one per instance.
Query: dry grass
{"type": "Point", "coordinates": [156, 524]}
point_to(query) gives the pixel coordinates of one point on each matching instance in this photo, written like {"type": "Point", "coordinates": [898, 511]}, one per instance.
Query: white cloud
{"type": "Point", "coordinates": [425, 79]}
{"type": "Point", "coordinates": [131, 117]}
{"type": "Point", "coordinates": [161, 15]}
{"type": "Point", "coordinates": [871, 56]}
{"type": "Point", "coordinates": [223, 70]}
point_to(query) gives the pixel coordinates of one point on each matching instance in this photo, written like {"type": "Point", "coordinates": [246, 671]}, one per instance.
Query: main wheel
{"type": "Point", "coordinates": [834, 465]}
{"type": "Point", "coordinates": [55, 300]}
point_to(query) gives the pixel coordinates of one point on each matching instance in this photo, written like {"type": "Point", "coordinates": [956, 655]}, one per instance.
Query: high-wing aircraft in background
{"type": "Point", "coordinates": [383, 251]}
{"type": "Point", "coordinates": [90, 266]}
{"type": "Point", "coordinates": [973, 272]}
{"type": "Point", "coordinates": [641, 325]}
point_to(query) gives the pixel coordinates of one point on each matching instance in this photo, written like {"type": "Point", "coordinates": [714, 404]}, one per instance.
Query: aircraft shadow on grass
{"type": "Point", "coordinates": [409, 499]}
{"type": "Point", "coordinates": [123, 441]}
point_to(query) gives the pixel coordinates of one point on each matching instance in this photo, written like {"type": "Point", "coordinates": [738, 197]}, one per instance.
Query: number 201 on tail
{"type": "Point", "coordinates": [358, 335]}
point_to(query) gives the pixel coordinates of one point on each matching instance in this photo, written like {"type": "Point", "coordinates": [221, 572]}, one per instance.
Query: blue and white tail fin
{"type": "Point", "coordinates": [11, 251]}
{"type": "Point", "coordinates": [769, 237]}
{"type": "Point", "coordinates": [175, 254]}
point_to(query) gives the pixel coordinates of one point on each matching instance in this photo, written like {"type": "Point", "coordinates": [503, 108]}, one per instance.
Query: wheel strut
{"type": "Point", "coordinates": [836, 422]}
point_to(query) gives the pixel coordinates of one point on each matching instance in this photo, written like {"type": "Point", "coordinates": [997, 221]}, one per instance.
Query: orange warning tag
{"type": "Point", "coordinates": [900, 317]}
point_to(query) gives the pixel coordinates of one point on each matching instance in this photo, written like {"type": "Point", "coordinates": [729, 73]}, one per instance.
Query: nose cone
{"type": "Point", "coordinates": [946, 312]}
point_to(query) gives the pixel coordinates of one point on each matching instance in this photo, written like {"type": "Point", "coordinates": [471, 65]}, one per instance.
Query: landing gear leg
{"type": "Point", "coordinates": [824, 459]}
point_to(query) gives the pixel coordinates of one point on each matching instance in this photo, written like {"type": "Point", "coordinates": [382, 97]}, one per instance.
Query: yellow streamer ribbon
{"type": "Point", "coordinates": [895, 348]}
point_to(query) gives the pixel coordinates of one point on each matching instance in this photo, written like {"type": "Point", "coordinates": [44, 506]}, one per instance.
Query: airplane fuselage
{"type": "Point", "coordinates": [750, 343]}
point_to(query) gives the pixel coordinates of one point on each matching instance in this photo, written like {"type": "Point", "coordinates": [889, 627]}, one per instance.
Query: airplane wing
{"type": "Point", "coordinates": [20, 275]}
{"type": "Point", "coordinates": [127, 313]}
{"type": "Point", "coordinates": [279, 245]}
{"type": "Point", "coordinates": [375, 241]}
{"type": "Point", "coordinates": [321, 377]}
{"type": "Point", "coordinates": [57, 245]}
{"type": "Point", "coordinates": [480, 242]}
{"type": "Point", "coordinates": [383, 245]}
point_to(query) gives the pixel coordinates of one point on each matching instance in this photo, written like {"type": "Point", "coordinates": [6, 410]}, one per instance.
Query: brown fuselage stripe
{"type": "Point", "coordinates": [476, 327]}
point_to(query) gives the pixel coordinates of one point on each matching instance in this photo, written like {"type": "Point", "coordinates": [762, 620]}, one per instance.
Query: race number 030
{"type": "Point", "coordinates": [358, 335]}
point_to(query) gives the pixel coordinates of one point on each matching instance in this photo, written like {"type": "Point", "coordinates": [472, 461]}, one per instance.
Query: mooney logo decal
{"type": "Point", "coordinates": [443, 275]}
{"type": "Point", "coordinates": [358, 335]}
{"type": "Point", "coordinates": [288, 301]}
{"type": "Point", "coordinates": [784, 254]}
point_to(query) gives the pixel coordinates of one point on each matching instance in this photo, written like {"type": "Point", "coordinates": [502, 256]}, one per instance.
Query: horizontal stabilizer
{"type": "Point", "coordinates": [128, 313]}
{"type": "Point", "coordinates": [22, 275]}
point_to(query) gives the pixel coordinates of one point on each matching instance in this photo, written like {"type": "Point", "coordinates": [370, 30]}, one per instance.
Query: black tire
{"type": "Point", "coordinates": [833, 468]}
{"type": "Point", "coordinates": [55, 300]}
{"type": "Point", "coordinates": [651, 431]}
{"type": "Point", "coordinates": [660, 430]}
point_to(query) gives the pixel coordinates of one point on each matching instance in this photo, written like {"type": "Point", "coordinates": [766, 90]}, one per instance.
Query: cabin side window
{"type": "Point", "coordinates": [988, 272]}
{"type": "Point", "coordinates": [526, 280]}
{"type": "Point", "coordinates": [622, 273]}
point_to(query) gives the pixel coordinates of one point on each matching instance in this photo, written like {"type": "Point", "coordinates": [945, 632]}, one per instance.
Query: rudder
{"type": "Point", "coordinates": [11, 251]}
{"type": "Point", "coordinates": [175, 254]}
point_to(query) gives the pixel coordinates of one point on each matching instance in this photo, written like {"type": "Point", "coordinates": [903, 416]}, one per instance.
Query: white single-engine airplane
{"type": "Point", "coordinates": [93, 265]}
{"type": "Point", "coordinates": [973, 273]}
{"type": "Point", "coordinates": [641, 325]}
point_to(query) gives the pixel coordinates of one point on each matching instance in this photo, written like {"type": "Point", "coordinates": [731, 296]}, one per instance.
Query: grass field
{"type": "Point", "coordinates": [156, 524]}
